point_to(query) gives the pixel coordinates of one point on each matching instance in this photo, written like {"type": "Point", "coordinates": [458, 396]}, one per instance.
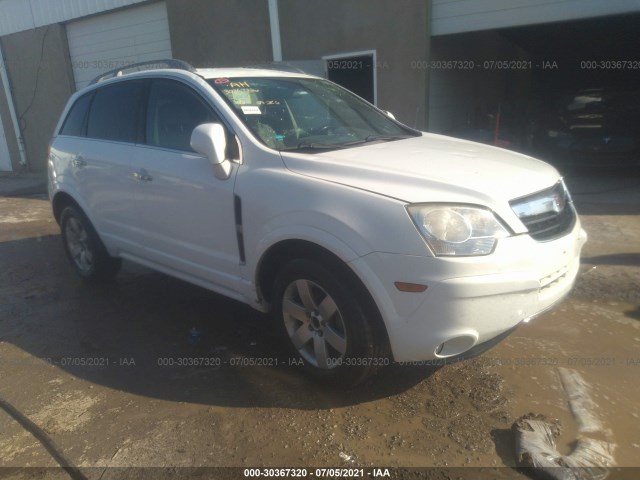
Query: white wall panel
{"type": "Point", "coordinates": [457, 16]}
{"type": "Point", "coordinates": [112, 40]}
{"type": "Point", "coordinates": [19, 15]}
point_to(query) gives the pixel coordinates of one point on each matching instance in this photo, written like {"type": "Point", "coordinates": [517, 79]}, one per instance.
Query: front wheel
{"type": "Point", "coordinates": [84, 248]}
{"type": "Point", "coordinates": [322, 317]}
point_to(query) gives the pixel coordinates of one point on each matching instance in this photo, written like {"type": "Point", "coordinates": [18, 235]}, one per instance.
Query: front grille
{"type": "Point", "coordinates": [547, 214]}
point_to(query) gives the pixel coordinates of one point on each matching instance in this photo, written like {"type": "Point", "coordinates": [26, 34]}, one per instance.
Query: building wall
{"type": "Point", "coordinates": [209, 33]}
{"type": "Point", "coordinates": [456, 16]}
{"type": "Point", "coordinates": [397, 30]}
{"type": "Point", "coordinates": [41, 81]}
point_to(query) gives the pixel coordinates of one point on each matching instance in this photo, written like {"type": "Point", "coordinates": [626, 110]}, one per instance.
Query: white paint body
{"type": "Point", "coordinates": [351, 202]}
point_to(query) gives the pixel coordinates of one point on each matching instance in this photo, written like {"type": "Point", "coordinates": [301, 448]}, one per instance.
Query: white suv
{"type": "Point", "coordinates": [368, 241]}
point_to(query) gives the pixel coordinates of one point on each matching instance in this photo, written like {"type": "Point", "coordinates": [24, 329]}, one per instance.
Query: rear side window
{"type": "Point", "coordinates": [174, 111]}
{"type": "Point", "coordinates": [115, 112]}
{"type": "Point", "coordinates": [75, 123]}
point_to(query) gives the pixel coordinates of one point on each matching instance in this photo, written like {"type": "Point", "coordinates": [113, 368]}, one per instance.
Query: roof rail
{"type": "Point", "coordinates": [142, 66]}
{"type": "Point", "coordinates": [280, 66]}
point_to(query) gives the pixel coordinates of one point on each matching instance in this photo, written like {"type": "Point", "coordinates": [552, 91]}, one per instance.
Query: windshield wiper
{"type": "Point", "coordinates": [314, 146]}
{"type": "Point", "coordinates": [384, 138]}
{"type": "Point", "coordinates": [323, 146]}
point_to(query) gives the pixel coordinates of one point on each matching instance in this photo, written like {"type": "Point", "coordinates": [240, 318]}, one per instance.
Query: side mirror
{"type": "Point", "coordinates": [210, 141]}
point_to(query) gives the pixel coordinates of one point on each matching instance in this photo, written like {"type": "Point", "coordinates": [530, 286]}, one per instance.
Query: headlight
{"type": "Point", "coordinates": [453, 230]}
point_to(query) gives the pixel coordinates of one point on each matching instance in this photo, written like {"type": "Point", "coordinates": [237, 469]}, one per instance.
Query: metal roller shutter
{"type": "Point", "coordinates": [113, 40]}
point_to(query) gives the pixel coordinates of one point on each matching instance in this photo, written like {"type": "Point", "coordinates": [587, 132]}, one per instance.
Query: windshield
{"type": "Point", "coordinates": [302, 113]}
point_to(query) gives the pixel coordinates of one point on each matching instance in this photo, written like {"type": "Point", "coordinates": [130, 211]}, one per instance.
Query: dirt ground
{"type": "Point", "coordinates": [83, 374]}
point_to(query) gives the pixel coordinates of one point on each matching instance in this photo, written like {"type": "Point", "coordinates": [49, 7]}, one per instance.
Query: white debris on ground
{"type": "Point", "coordinates": [535, 438]}
{"type": "Point", "coordinates": [345, 457]}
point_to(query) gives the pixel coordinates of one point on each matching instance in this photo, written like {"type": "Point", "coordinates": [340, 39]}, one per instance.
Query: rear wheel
{"type": "Point", "coordinates": [84, 248]}
{"type": "Point", "coordinates": [322, 317]}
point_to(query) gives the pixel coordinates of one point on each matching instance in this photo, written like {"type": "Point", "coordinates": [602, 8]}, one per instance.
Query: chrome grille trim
{"type": "Point", "coordinates": [548, 214]}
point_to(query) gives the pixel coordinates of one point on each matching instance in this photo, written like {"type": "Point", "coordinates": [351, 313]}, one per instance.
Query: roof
{"type": "Point", "coordinates": [247, 72]}
{"type": "Point", "coordinates": [173, 65]}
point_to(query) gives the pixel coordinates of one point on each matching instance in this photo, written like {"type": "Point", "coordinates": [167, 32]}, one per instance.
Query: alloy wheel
{"type": "Point", "coordinates": [78, 244]}
{"type": "Point", "coordinates": [314, 324]}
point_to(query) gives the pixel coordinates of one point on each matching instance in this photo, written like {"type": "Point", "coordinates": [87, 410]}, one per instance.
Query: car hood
{"type": "Point", "coordinates": [429, 168]}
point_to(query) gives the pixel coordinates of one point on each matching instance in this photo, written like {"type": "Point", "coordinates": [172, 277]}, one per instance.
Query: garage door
{"type": "Point", "coordinates": [458, 16]}
{"type": "Point", "coordinates": [117, 39]}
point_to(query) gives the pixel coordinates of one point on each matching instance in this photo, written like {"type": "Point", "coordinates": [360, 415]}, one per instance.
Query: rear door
{"type": "Point", "coordinates": [185, 215]}
{"type": "Point", "coordinates": [100, 146]}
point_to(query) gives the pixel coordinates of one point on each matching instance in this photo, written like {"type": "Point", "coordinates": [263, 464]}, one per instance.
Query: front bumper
{"type": "Point", "coordinates": [469, 300]}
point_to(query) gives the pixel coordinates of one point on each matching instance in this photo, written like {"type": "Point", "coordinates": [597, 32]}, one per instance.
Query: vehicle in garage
{"type": "Point", "coordinates": [591, 128]}
{"type": "Point", "coordinates": [367, 240]}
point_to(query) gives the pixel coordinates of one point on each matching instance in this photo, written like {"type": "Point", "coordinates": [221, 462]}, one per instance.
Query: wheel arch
{"type": "Point", "coordinates": [279, 254]}
{"type": "Point", "coordinates": [60, 201]}
{"type": "Point", "coordinates": [63, 199]}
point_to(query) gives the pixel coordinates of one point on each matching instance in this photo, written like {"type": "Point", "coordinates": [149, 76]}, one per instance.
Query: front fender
{"type": "Point", "coordinates": [326, 232]}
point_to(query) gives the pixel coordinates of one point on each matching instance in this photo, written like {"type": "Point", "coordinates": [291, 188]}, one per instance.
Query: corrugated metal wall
{"type": "Point", "coordinates": [457, 16]}
{"type": "Point", "coordinates": [19, 15]}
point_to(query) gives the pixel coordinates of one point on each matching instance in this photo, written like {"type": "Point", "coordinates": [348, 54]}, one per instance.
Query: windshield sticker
{"type": "Point", "coordinates": [238, 85]}
{"type": "Point", "coordinates": [251, 110]}
{"type": "Point", "coordinates": [238, 91]}
{"type": "Point", "coordinates": [221, 81]}
{"type": "Point", "coordinates": [241, 97]}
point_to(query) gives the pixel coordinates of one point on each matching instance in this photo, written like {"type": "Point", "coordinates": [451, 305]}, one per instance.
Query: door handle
{"type": "Point", "coordinates": [79, 161]}
{"type": "Point", "coordinates": [142, 176]}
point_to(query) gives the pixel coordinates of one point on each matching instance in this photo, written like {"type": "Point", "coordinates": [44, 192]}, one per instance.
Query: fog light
{"type": "Point", "coordinates": [456, 346]}
{"type": "Point", "coordinates": [410, 287]}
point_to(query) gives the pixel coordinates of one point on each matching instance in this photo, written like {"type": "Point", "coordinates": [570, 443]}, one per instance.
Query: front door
{"type": "Point", "coordinates": [185, 214]}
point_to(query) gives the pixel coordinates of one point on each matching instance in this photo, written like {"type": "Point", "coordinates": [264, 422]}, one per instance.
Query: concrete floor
{"type": "Point", "coordinates": [83, 380]}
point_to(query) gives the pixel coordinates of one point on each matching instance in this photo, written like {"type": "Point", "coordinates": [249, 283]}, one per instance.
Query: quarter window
{"type": "Point", "coordinates": [174, 111]}
{"type": "Point", "coordinates": [75, 124]}
{"type": "Point", "coordinates": [115, 111]}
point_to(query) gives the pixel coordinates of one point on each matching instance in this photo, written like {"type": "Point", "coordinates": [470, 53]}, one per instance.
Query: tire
{"type": "Point", "coordinates": [323, 320]}
{"type": "Point", "coordinates": [83, 247]}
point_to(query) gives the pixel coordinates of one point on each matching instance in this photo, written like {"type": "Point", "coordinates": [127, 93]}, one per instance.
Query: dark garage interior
{"type": "Point", "coordinates": [570, 97]}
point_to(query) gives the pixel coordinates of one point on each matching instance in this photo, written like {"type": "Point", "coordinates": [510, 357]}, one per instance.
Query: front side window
{"type": "Point", "coordinates": [115, 112]}
{"type": "Point", "coordinates": [305, 113]}
{"type": "Point", "coordinates": [174, 111]}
